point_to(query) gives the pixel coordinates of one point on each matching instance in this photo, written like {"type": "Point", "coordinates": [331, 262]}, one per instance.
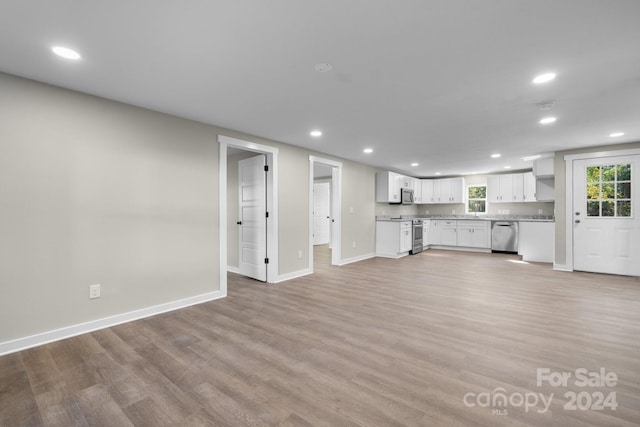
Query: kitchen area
{"type": "Point", "coordinates": [494, 213]}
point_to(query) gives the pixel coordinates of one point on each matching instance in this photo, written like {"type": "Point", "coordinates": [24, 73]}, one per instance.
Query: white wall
{"type": "Point", "coordinates": [94, 191]}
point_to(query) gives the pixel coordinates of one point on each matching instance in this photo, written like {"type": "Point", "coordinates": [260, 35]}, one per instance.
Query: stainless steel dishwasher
{"type": "Point", "coordinates": [504, 236]}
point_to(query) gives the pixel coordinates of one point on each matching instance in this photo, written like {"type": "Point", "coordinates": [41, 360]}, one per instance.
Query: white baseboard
{"type": "Point", "coordinates": [232, 269]}
{"type": "Point", "coordinates": [461, 249]}
{"type": "Point", "coordinates": [106, 322]}
{"type": "Point", "coordinates": [393, 256]}
{"type": "Point", "coordinates": [561, 267]}
{"type": "Point", "coordinates": [293, 275]}
{"type": "Point", "coordinates": [356, 259]}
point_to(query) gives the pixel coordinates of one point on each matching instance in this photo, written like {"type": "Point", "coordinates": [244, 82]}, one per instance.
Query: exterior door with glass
{"type": "Point", "coordinates": [606, 227]}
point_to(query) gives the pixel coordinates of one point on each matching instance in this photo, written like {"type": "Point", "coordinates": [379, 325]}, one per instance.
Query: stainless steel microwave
{"type": "Point", "coordinates": [406, 196]}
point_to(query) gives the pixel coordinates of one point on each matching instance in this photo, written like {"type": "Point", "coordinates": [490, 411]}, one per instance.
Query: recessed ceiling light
{"type": "Point", "coordinates": [544, 78]}
{"type": "Point", "coordinates": [315, 133]}
{"type": "Point", "coordinates": [547, 120]}
{"type": "Point", "coordinates": [323, 67]}
{"type": "Point", "coordinates": [414, 164]}
{"type": "Point", "coordinates": [368, 150]}
{"type": "Point", "coordinates": [65, 52]}
{"type": "Point", "coordinates": [507, 167]}
{"type": "Point", "coordinates": [616, 134]}
{"type": "Point", "coordinates": [438, 173]}
{"type": "Point", "coordinates": [529, 158]}
{"type": "Point", "coordinates": [495, 156]}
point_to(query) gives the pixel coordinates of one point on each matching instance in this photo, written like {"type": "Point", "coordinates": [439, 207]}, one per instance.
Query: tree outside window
{"type": "Point", "coordinates": [477, 199]}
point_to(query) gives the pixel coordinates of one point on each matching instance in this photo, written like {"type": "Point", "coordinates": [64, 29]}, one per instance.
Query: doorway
{"type": "Point", "coordinates": [606, 226]}
{"type": "Point", "coordinates": [325, 178]}
{"type": "Point", "coordinates": [260, 238]}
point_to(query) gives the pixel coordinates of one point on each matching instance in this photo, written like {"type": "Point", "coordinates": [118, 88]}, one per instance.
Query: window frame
{"type": "Point", "coordinates": [469, 199]}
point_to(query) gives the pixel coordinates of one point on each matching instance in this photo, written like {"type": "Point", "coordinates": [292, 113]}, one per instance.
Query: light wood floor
{"type": "Point", "coordinates": [377, 343]}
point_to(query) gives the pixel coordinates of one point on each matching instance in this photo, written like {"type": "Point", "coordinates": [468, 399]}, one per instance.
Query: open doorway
{"type": "Point", "coordinates": [248, 200]}
{"type": "Point", "coordinates": [324, 212]}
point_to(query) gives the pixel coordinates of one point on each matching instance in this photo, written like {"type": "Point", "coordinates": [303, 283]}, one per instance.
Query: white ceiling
{"type": "Point", "coordinates": [444, 83]}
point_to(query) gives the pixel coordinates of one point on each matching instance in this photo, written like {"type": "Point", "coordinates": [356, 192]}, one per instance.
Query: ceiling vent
{"type": "Point", "coordinates": [546, 105]}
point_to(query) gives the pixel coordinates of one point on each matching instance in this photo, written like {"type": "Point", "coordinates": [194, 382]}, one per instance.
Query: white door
{"type": "Point", "coordinates": [321, 213]}
{"type": "Point", "coordinates": [606, 228]}
{"type": "Point", "coordinates": [253, 221]}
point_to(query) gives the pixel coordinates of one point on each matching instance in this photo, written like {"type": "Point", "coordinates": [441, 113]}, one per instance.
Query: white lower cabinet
{"type": "Point", "coordinates": [460, 233]}
{"type": "Point", "coordinates": [448, 233]}
{"type": "Point", "coordinates": [536, 241]}
{"type": "Point", "coordinates": [474, 234]}
{"type": "Point", "coordinates": [393, 238]}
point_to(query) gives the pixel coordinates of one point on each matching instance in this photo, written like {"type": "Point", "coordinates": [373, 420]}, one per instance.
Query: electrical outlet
{"type": "Point", "coordinates": [540, 211]}
{"type": "Point", "coordinates": [384, 212]}
{"type": "Point", "coordinates": [506, 211]}
{"type": "Point", "coordinates": [94, 291]}
{"type": "Point", "coordinates": [453, 211]}
{"type": "Point", "coordinates": [426, 212]}
{"type": "Point", "coordinates": [299, 254]}
{"type": "Point", "coordinates": [353, 244]}
{"type": "Point", "coordinates": [351, 209]}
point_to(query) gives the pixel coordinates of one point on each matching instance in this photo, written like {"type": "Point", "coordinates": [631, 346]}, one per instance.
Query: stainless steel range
{"type": "Point", "coordinates": [417, 235]}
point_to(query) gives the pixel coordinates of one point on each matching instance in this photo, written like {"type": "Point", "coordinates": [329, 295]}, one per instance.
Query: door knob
{"type": "Point", "coordinates": [239, 222]}
{"type": "Point", "coordinates": [577, 213]}
{"type": "Point", "coordinates": [577, 221]}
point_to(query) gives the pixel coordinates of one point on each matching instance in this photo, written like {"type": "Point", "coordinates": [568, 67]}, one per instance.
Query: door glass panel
{"type": "Point", "coordinates": [608, 208]}
{"type": "Point", "coordinates": [624, 172]}
{"type": "Point", "coordinates": [624, 190]}
{"type": "Point", "coordinates": [624, 208]}
{"type": "Point", "coordinates": [593, 173]}
{"type": "Point", "coordinates": [608, 173]}
{"type": "Point", "coordinates": [593, 191]}
{"type": "Point", "coordinates": [609, 190]}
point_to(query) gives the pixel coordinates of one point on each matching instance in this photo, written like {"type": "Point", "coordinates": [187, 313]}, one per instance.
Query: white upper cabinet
{"type": "Point", "coordinates": [389, 184]}
{"type": "Point", "coordinates": [426, 187]}
{"type": "Point", "coordinates": [388, 187]}
{"type": "Point", "coordinates": [511, 188]}
{"type": "Point", "coordinates": [456, 190]}
{"type": "Point", "coordinates": [446, 190]}
{"type": "Point", "coordinates": [507, 188]}
{"type": "Point", "coordinates": [529, 187]}
{"type": "Point", "coordinates": [543, 168]}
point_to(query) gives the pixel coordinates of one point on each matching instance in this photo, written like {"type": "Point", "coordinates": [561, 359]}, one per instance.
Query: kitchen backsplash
{"type": "Point", "coordinates": [532, 208]}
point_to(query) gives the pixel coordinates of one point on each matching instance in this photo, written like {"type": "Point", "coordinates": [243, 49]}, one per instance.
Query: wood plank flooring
{"type": "Point", "coordinates": [377, 343]}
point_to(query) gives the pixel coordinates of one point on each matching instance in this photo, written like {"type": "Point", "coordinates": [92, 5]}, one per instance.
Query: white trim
{"type": "Point", "coordinates": [356, 259]}
{"type": "Point", "coordinates": [294, 275]}
{"type": "Point", "coordinates": [568, 207]}
{"type": "Point", "coordinates": [568, 214]}
{"type": "Point", "coordinates": [272, 204]}
{"type": "Point", "coordinates": [599, 154]}
{"type": "Point", "coordinates": [336, 209]}
{"type": "Point", "coordinates": [106, 322]}
{"type": "Point", "coordinates": [561, 267]}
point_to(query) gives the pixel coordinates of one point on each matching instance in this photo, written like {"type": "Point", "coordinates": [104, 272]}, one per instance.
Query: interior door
{"type": "Point", "coordinates": [321, 213]}
{"type": "Point", "coordinates": [253, 222]}
{"type": "Point", "coordinates": [606, 228]}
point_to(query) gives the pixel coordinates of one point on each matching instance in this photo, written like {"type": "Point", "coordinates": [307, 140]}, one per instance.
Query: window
{"type": "Point", "coordinates": [609, 191]}
{"type": "Point", "coordinates": [477, 199]}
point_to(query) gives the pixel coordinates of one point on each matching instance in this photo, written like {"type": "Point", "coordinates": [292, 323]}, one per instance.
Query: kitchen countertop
{"type": "Point", "coordinates": [519, 218]}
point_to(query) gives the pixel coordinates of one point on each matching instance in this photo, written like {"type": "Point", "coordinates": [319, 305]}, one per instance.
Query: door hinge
{"type": "Point", "coordinates": [266, 214]}
{"type": "Point", "coordinates": [266, 168]}
{"type": "Point", "coordinates": [266, 260]}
